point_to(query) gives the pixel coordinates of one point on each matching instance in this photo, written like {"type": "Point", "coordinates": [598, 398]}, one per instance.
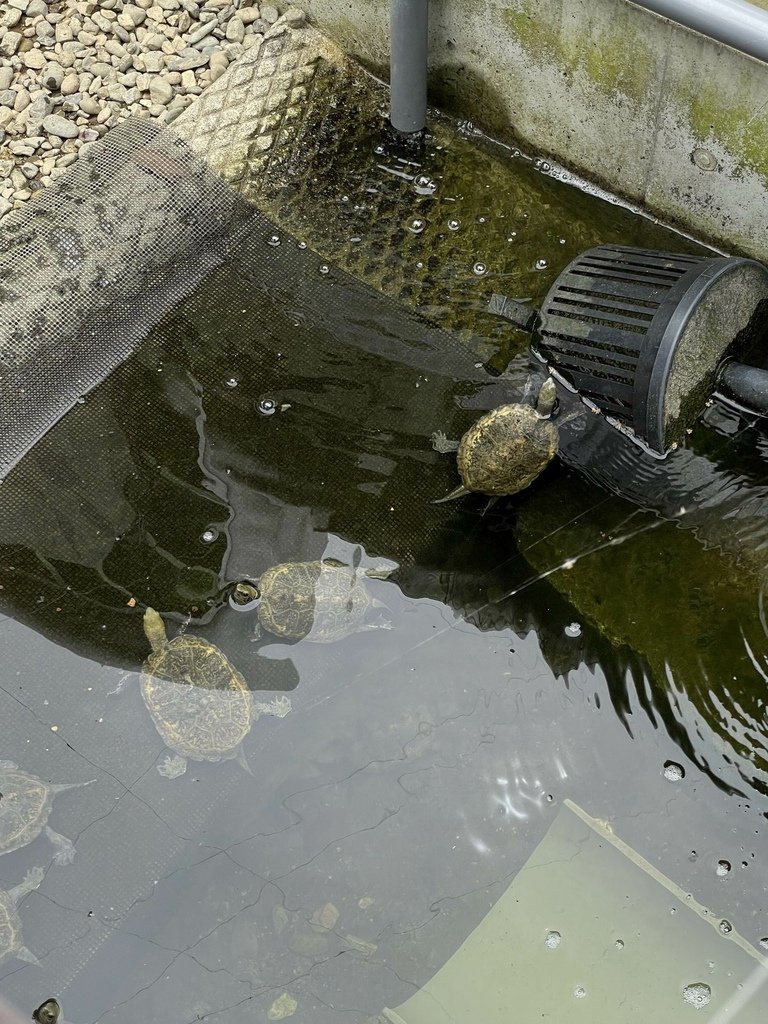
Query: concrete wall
{"type": "Point", "coordinates": [652, 111]}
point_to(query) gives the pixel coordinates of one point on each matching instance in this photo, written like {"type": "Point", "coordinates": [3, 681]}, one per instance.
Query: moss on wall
{"type": "Point", "coordinates": [615, 57]}
{"type": "Point", "coordinates": [729, 118]}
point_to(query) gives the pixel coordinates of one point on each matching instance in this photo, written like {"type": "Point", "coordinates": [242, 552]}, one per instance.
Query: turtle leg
{"type": "Point", "coordinates": [443, 444]}
{"type": "Point", "coordinates": [457, 492]}
{"type": "Point", "coordinates": [65, 850]}
{"type": "Point", "coordinates": [22, 953]}
{"type": "Point", "coordinates": [31, 881]}
{"type": "Point", "coordinates": [279, 707]}
{"type": "Point", "coordinates": [172, 766]}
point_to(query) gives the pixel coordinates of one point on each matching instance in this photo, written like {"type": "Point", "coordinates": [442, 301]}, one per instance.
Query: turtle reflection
{"type": "Point", "coordinates": [11, 942]}
{"type": "Point", "coordinates": [25, 804]}
{"type": "Point", "coordinates": [200, 704]}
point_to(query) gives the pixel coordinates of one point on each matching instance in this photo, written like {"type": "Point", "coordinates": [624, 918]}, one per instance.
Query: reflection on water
{"type": "Point", "coordinates": [562, 644]}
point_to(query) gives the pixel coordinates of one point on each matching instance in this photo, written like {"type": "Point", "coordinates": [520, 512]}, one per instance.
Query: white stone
{"type": "Point", "coordinates": [64, 33]}
{"type": "Point", "coordinates": [70, 84]}
{"type": "Point", "coordinates": [59, 126]}
{"type": "Point", "coordinates": [160, 91]}
{"type": "Point", "coordinates": [90, 105]}
{"type": "Point", "coordinates": [29, 170]}
{"type": "Point", "coordinates": [6, 77]}
{"type": "Point", "coordinates": [9, 44]}
{"type": "Point", "coordinates": [34, 59]}
{"type": "Point", "coordinates": [270, 14]}
{"type": "Point", "coordinates": [235, 30]}
{"type": "Point", "coordinates": [52, 77]}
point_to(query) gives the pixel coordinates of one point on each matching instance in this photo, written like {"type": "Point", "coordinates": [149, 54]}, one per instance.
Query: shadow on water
{"type": "Point", "coordinates": [564, 643]}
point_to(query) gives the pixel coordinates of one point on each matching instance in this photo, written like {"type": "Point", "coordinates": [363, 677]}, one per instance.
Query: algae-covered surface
{"type": "Point", "coordinates": [564, 643]}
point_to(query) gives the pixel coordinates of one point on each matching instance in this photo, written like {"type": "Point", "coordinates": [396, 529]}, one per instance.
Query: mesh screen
{"type": "Point", "coordinates": [93, 263]}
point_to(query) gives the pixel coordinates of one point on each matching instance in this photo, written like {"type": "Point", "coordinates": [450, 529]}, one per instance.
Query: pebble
{"type": "Point", "coordinates": [60, 126]}
{"type": "Point", "coordinates": [98, 62]}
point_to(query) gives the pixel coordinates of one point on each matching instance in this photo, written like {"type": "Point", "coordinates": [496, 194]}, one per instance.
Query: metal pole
{"type": "Point", "coordinates": [734, 22]}
{"type": "Point", "coordinates": [408, 21]}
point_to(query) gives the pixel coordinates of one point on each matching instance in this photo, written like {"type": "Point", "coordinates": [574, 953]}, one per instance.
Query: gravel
{"type": "Point", "coordinates": [72, 69]}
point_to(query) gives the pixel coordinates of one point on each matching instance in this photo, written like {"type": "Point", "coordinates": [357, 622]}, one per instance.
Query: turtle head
{"type": "Point", "coordinates": [546, 398]}
{"type": "Point", "coordinates": [154, 628]}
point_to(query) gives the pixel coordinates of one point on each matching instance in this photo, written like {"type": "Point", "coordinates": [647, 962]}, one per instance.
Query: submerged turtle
{"type": "Point", "coordinates": [11, 943]}
{"type": "Point", "coordinates": [507, 448]}
{"type": "Point", "coordinates": [199, 702]}
{"type": "Point", "coordinates": [319, 601]}
{"type": "Point", "coordinates": [25, 803]}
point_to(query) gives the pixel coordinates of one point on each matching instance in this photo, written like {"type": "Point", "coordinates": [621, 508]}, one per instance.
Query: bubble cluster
{"type": "Point", "coordinates": [698, 994]}
{"type": "Point", "coordinates": [573, 629]}
{"type": "Point", "coordinates": [723, 868]}
{"type": "Point", "coordinates": [552, 940]}
{"type": "Point", "coordinates": [673, 772]}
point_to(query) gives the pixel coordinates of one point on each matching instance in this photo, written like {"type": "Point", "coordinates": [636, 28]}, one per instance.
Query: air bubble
{"type": "Point", "coordinates": [552, 940]}
{"type": "Point", "coordinates": [325, 269]}
{"type": "Point", "coordinates": [573, 629]}
{"type": "Point", "coordinates": [579, 992]}
{"type": "Point", "coordinates": [511, 236]}
{"type": "Point", "coordinates": [481, 220]}
{"type": "Point", "coordinates": [424, 186]}
{"type": "Point", "coordinates": [722, 869]}
{"type": "Point", "coordinates": [417, 225]}
{"type": "Point", "coordinates": [619, 943]}
{"type": "Point", "coordinates": [697, 994]}
{"type": "Point", "coordinates": [541, 264]}
{"type": "Point", "coordinates": [273, 240]}
{"type": "Point", "coordinates": [267, 406]}
{"type": "Point", "coordinates": [725, 927]}
{"type": "Point", "coordinates": [561, 241]}
{"type": "Point", "coordinates": [302, 245]}
{"type": "Point", "coordinates": [231, 382]}
{"type": "Point", "coordinates": [454, 225]}
{"type": "Point", "coordinates": [673, 772]}
{"type": "Point", "coordinates": [209, 536]}
{"type": "Point", "coordinates": [479, 269]}
{"type": "Point", "coordinates": [379, 150]}
{"type": "Point", "coordinates": [764, 942]}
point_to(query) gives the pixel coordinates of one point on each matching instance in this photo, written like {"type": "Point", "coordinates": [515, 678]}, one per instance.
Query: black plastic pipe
{"type": "Point", "coordinates": [734, 22]}
{"type": "Point", "coordinates": [408, 21]}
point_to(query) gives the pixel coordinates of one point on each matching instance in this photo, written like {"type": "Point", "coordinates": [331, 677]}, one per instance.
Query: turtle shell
{"type": "Point", "coordinates": [505, 450]}
{"type": "Point", "coordinates": [199, 702]}
{"type": "Point", "coordinates": [10, 925]}
{"type": "Point", "coordinates": [24, 808]}
{"type": "Point", "coordinates": [316, 601]}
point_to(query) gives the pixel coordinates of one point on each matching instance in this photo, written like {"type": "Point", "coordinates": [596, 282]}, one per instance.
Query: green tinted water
{"type": "Point", "coordinates": [564, 643]}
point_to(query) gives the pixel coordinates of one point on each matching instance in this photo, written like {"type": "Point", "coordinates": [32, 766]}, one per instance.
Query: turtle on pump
{"type": "Point", "coordinates": [508, 448]}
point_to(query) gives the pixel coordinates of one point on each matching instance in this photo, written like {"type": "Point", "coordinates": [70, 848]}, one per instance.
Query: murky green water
{"type": "Point", "coordinates": [565, 643]}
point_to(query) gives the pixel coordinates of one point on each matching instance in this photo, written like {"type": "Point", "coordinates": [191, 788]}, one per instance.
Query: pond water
{"type": "Point", "coordinates": [568, 642]}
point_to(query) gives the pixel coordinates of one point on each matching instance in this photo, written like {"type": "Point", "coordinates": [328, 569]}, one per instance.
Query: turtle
{"type": "Point", "coordinates": [199, 702]}
{"type": "Point", "coordinates": [505, 450]}
{"type": "Point", "coordinates": [11, 943]}
{"type": "Point", "coordinates": [25, 803]}
{"type": "Point", "coordinates": [320, 601]}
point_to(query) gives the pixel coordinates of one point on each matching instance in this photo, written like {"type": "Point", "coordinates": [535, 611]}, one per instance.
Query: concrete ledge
{"type": "Point", "coordinates": [655, 112]}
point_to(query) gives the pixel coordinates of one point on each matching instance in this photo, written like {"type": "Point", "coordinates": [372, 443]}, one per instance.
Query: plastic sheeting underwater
{"type": "Point", "coordinates": [590, 931]}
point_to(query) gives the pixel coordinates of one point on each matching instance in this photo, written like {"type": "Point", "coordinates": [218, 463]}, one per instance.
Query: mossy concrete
{"type": "Point", "coordinates": [653, 111]}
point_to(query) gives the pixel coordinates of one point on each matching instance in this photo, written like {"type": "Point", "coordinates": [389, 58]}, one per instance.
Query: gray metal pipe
{"type": "Point", "coordinates": [408, 20]}
{"type": "Point", "coordinates": [734, 22]}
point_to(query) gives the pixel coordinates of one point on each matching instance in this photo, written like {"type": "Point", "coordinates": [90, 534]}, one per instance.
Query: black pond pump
{"type": "Point", "coordinates": [648, 336]}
